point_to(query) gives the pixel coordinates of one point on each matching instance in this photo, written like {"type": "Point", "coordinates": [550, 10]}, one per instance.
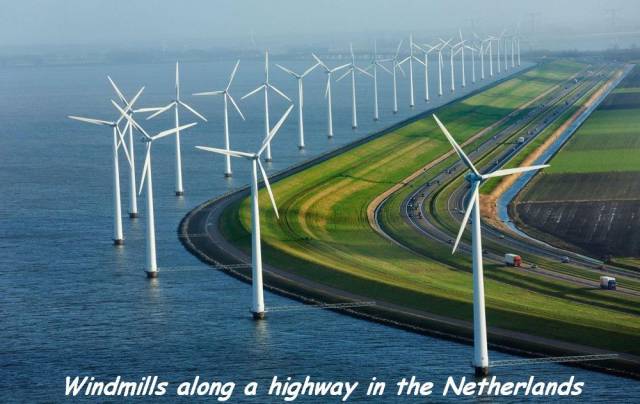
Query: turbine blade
{"type": "Point", "coordinates": [121, 142]}
{"type": "Point", "coordinates": [361, 70]}
{"type": "Point", "coordinates": [467, 214]}
{"type": "Point", "coordinates": [403, 61]}
{"type": "Point", "coordinates": [193, 111]}
{"type": "Point", "coordinates": [161, 110]}
{"type": "Point", "coordinates": [326, 90]}
{"type": "Point", "coordinates": [209, 93]}
{"type": "Point", "coordinates": [130, 119]}
{"type": "Point", "coordinates": [320, 61]}
{"type": "Point", "coordinates": [335, 69]}
{"type": "Point", "coordinates": [273, 131]}
{"type": "Point", "coordinates": [283, 95]}
{"type": "Point", "coordinates": [345, 74]}
{"type": "Point", "coordinates": [418, 60]}
{"type": "Point", "coordinates": [225, 152]}
{"type": "Point", "coordinates": [168, 132]}
{"type": "Point", "coordinates": [253, 92]}
{"type": "Point", "coordinates": [287, 70]}
{"type": "Point", "coordinates": [145, 168]}
{"type": "Point", "coordinates": [309, 70]}
{"type": "Point", "coordinates": [383, 67]}
{"type": "Point", "coordinates": [509, 171]}
{"type": "Point", "coordinates": [91, 120]}
{"type": "Point", "coordinates": [456, 147]}
{"type": "Point", "coordinates": [233, 74]}
{"type": "Point", "coordinates": [117, 90]}
{"type": "Point", "coordinates": [147, 109]}
{"type": "Point", "coordinates": [268, 186]}
{"type": "Point", "coordinates": [398, 49]}
{"type": "Point", "coordinates": [235, 105]}
{"type": "Point", "coordinates": [177, 79]}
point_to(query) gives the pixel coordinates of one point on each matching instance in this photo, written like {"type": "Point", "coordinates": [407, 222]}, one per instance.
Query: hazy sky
{"type": "Point", "coordinates": [194, 22]}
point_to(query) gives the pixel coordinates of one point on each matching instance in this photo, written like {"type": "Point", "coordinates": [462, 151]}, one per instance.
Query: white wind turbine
{"type": "Point", "coordinates": [498, 39]}
{"type": "Point", "coordinates": [461, 46]}
{"type": "Point", "coordinates": [176, 104]}
{"type": "Point", "coordinates": [118, 140]}
{"type": "Point", "coordinates": [327, 92]}
{"type": "Point", "coordinates": [475, 179]}
{"type": "Point", "coordinates": [227, 98]}
{"type": "Point", "coordinates": [410, 59]}
{"type": "Point", "coordinates": [440, 63]}
{"type": "Point", "coordinates": [352, 68]}
{"type": "Point", "coordinates": [453, 51]}
{"type": "Point", "coordinates": [128, 105]}
{"type": "Point", "coordinates": [375, 63]}
{"type": "Point", "coordinates": [473, 62]}
{"type": "Point", "coordinates": [152, 265]}
{"type": "Point", "coordinates": [426, 50]}
{"type": "Point", "coordinates": [396, 65]}
{"type": "Point", "coordinates": [265, 87]}
{"type": "Point", "coordinates": [299, 79]}
{"type": "Point", "coordinates": [257, 307]}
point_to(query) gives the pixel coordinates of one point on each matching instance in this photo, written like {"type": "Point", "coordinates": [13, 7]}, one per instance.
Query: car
{"type": "Point", "coordinates": [449, 241]}
{"type": "Point", "coordinates": [501, 237]}
{"type": "Point", "coordinates": [565, 260]}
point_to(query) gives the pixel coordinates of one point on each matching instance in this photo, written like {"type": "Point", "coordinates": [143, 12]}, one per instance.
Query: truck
{"type": "Point", "coordinates": [521, 140]}
{"type": "Point", "coordinates": [512, 260]}
{"type": "Point", "coordinates": [608, 282]}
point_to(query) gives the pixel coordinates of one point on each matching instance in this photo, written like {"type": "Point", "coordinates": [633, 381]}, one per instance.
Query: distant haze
{"type": "Point", "coordinates": [179, 24]}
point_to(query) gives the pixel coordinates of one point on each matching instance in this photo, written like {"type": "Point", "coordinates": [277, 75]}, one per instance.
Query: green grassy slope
{"type": "Point", "coordinates": [323, 233]}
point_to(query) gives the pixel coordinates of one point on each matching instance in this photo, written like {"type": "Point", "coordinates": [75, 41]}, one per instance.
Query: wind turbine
{"type": "Point", "coordinates": [396, 65]}
{"type": "Point", "coordinates": [176, 104]}
{"type": "Point", "coordinates": [410, 59]}
{"type": "Point", "coordinates": [453, 51]}
{"type": "Point", "coordinates": [118, 140]}
{"type": "Point", "coordinates": [266, 86]}
{"type": "Point", "coordinates": [375, 63]}
{"type": "Point", "coordinates": [352, 71]}
{"type": "Point", "coordinates": [257, 307]}
{"type": "Point", "coordinates": [152, 266]}
{"type": "Point", "coordinates": [440, 63]}
{"type": "Point", "coordinates": [475, 179]}
{"type": "Point", "coordinates": [227, 98]}
{"type": "Point", "coordinates": [128, 105]}
{"type": "Point", "coordinates": [299, 79]}
{"type": "Point", "coordinates": [327, 92]}
{"type": "Point", "coordinates": [498, 39]}
{"type": "Point", "coordinates": [473, 62]}
{"type": "Point", "coordinates": [426, 50]}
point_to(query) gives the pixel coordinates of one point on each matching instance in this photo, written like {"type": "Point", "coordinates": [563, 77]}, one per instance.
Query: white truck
{"type": "Point", "coordinates": [608, 282]}
{"type": "Point", "coordinates": [512, 260]}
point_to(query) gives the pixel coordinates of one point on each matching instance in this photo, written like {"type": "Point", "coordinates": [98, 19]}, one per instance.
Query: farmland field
{"type": "Point", "coordinates": [589, 198]}
{"type": "Point", "coordinates": [323, 233]}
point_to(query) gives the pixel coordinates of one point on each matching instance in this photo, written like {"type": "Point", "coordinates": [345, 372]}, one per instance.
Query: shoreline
{"type": "Point", "coordinates": [192, 232]}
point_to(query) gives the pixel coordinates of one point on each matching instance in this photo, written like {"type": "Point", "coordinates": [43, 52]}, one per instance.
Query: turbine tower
{"type": "Point", "coordinates": [257, 307]}
{"type": "Point", "coordinates": [461, 45]}
{"type": "Point", "coordinates": [152, 266]}
{"type": "Point", "coordinates": [440, 63]}
{"type": "Point", "coordinates": [176, 104]}
{"type": "Point", "coordinates": [426, 50]}
{"type": "Point", "coordinates": [473, 62]}
{"type": "Point", "coordinates": [327, 92]}
{"type": "Point", "coordinates": [352, 71]}
{"type": "Point", "coordinates": [475, 179]}
{"type": "Point", "coordinates": [396, 65]}
{"type": "Point", "coordinates": [265, 87]}
{"type": "Point", "coordinates": [128, 105]}
{"type": "Point", "coordinates": [410, 59]}
{"type": "Point", "coordinates": [375, 63]}
{"type": "Point", "coordinates": [227, 98]}
{"type": "Point", "coordinates": [299, 79]}
{"type": "Point", "coordinates": [117, 142]}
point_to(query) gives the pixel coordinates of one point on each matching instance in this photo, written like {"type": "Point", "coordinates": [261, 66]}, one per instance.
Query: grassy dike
{"type": "Point", "coordinates": [323, 233]}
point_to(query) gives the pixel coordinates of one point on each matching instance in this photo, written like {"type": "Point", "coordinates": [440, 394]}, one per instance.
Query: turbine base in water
{"type": "Point", "coordinates": [228, 175]}
{"type": "Point", "coordinates": [258, 316]}
{"type": "Point", "coordinates": [481, 371]}
{"type": "Point", "coordinates": [179, 193]}
{"type": "Point", "coordinates": [133, 215]}
{"type": "Point", "coordinates": [152, 274]}
{"type": "Point", "coordinates": [118, 241]}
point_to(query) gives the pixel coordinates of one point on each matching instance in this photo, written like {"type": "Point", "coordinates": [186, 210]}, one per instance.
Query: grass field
{"type": "Point", "coordinates": [589, 197]}
{"type": "Point", "coordinates": [323, 233]}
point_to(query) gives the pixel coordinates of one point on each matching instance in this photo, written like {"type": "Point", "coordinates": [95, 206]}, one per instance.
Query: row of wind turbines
{"type": "Point", "coordinates": [122, 138]}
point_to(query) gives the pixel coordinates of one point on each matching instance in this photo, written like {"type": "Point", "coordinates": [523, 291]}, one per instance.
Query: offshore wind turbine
{"type": "Point", "coordinates": [327, 92]}
{"type": "Point", "coordinates": [257, 307]}
{"type": "Point", "coordinates": [461, 45]}
{"type": "Point", "coordinates": [118, 141]}
{"type": "Point", "coordinates": [473, 62]}
{"type": "Point", "coordinates": [299, 79]}
{"type": "Point", "coordinates": [375, 63]}
{"type": "Point", "coordinates": [128, 105]}
{"type": "Point", "coordinates": [152, 266]}
{"type": "Point", "coordinates": [352, 68]}
{"type": "Point", "coordinates": [426, 50]}
{"type": "Point", "coordinates": [475, 179]}
{"type": "Point", "coordinates": [396, 65]}
{"type": "Point", "coordinates": [265, 87]}
{"type": "Point", "coordinates": [176, 104]}
{"type": "Point", "coordinates": [410, 59]}
{"type": "Point", "coordinates": [227, 98]}
{"type": "Point", "coordinates": [440, 63]}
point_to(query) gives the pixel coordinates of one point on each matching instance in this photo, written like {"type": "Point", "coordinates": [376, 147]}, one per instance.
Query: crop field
{"type": "Point", "coordinates": [590, 196]}
{"type": "Point", "coordinates": [323, 233]}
